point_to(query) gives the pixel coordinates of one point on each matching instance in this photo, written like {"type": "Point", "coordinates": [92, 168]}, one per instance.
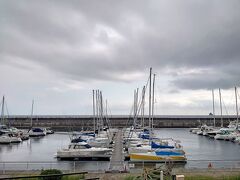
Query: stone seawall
{"type": "Point", "coordinates": [86, 122]}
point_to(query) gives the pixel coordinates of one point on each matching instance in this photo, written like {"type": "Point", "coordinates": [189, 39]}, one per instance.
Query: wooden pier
{"type": "Point", "coordinates": [117, 160]}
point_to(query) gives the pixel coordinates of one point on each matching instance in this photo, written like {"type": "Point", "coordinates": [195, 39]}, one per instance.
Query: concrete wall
{"type": "Point", "coordinates": [86, 122]}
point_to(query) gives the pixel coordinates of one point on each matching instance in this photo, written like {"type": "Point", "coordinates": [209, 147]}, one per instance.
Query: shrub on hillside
{"type": "Point", "coordinates": [51, 172]}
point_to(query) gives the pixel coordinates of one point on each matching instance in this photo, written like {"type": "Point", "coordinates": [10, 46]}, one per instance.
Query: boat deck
{"type": "Point", "coordinates": [116, 161]}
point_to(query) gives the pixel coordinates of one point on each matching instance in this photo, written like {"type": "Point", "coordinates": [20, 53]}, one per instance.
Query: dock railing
{"type": "Point", "coordinates": [127, 166]}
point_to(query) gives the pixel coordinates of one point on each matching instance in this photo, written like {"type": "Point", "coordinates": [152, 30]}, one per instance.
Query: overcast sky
{"type": "Point", "coordinates": [56, 52]}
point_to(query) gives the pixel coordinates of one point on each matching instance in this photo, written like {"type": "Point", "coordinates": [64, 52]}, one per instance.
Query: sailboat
{"type": "Point", "coordinates": [232, 131]}
{"type": "Point", "coordinates": [35, 131]}
{"type": "Point", "coordinates": [90, 145]}
{"type": "Point", "coordinates": [100, 137]}
{"type": "Point", "coordinates": [6, 134]}
{"type": "Point", "coordinates": [155, 152]}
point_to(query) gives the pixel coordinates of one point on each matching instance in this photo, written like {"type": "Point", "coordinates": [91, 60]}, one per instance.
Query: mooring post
{"type": "Point", "coordinates": [161, 175]}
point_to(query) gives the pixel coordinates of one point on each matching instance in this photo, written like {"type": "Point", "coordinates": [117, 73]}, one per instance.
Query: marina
{"type": "Point", "coordinates": [200, 151]}
{"type": "Point", "coordinates": [102, 148]}
{"type": "Point", "coordinates": [119, 90]}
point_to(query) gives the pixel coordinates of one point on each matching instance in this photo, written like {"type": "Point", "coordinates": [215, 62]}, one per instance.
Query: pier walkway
{"type": "Point", "coordinates": [116, 162]}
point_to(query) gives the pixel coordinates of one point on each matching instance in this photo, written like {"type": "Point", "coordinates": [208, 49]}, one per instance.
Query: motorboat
{"type": "Point", "coordinates": [9, 138]}
{"type": "Point", "coordinates": [95, 142]}
{"type": "Point", "coordinates": [37, 132]}
{"type": "Point", "coordinates": [213, 133]}
{"type": "Point", "coordinates": [195, 130]}
{"type": "Point", "coordinates": [49, 130]}
{"type": "Point", "coordinates": [5, 139]}
{"type": "Point", "coordinates": [192, 130]}
{"type": "Point", "coordinates": [224, 134]}
{"type": "Point", "coordinates": [4, 129]}
{"type": "Point", "coordinates": [83, 150]}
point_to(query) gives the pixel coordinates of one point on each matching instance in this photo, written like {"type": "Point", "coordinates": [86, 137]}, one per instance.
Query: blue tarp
{"type": "Point", "coordinates": [168, 153]}
{"type": "Point", "coordinates": [76, 140]}
{"type": "Point", "coordinates": [155, 146]}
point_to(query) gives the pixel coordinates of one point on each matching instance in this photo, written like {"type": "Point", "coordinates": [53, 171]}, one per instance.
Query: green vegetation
{"type": "Point", "coordinates": [73, 177]}
{"type": "Point", "coordinates": [54, 172]}
{"type": "Point", "coordinates": [51, 172]}
{"type": "Point", "coordinates": [130, 177]}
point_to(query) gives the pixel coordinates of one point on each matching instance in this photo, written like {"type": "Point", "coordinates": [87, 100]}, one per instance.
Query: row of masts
{"type": "Point", "coordinates": [139, 103]}
{"type": "Point", "coordinates": [100, 115]}
{"type": "Point", "coordinates": [3, 112]}
{"type": "Point", "coordinates": [220, 101]}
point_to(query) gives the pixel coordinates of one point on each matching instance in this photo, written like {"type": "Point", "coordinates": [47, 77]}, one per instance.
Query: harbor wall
{"type": "Point", "coordinates": [81, 122]}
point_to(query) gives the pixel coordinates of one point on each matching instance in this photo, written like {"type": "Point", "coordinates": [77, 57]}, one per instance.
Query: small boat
{"type": "Point", "coordinates": [49, 130]}
{"type": "Point", "coordinates": [84, 150]}
{"type": "Point", "coordinates": [37, 132]}
{"type": "Point", "coordinates": [4, 129]}
{"type": "Point", "coordinates": [5, 139]}
{"type": "Point", "coordinates": [9, 138]}
{"type": "Point", "coordinates": [193, 129]}
{"type": "Point", "coordinates": [224, 134]}
{"type": "Point", "coordinates": [95, 142]}
{"type": "Point", "coordinates": [237, 140]}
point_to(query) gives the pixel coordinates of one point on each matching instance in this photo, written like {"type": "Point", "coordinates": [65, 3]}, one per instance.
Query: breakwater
{"type": "Point", "coordinates": [85, 122]}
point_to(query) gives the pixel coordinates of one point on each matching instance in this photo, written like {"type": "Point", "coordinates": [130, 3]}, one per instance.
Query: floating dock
{"type": "Point", "coordinates": [117, 161]}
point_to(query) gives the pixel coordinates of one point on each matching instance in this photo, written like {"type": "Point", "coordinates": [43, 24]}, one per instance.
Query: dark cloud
{"type": "Point", "coordinates": [102, 40]}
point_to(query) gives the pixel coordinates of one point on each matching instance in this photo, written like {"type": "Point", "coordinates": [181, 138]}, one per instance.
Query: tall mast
{"type": "Point", "coordinates": [143, 106]}
{"type": "Point", "coordinates": [94, 128]}
{"type": "Point", "coordinates": [101, 110]}
{"type": "Point", "coordinates": [150, 98]}
{"type": "Point", "coordinates": [153, 98]}
{"type": "Point", "coordinates": [220, 98]}
{"type": "Point", "coordinates": [214, 119]}
{"type": "Point", "coordinates": [236, 107]}
{"type": "Point", "coordinates": [98, 111]}
{"type": "Point", "coordinates": [2, 113]}
{"type": "Point", "coordinates": [136, 106]}
{"type": "Point", "coordinates": [32, 113]}
{"type": "Point", "coordinates": [134, 109]}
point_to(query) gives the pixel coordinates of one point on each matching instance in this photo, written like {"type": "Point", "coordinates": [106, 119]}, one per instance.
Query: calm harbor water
{"type": "Point", "coordinates": [39, 152]}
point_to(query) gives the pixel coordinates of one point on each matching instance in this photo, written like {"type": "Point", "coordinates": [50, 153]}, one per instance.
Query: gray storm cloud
{"type": "Point", "coordinates": [102, 40]}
